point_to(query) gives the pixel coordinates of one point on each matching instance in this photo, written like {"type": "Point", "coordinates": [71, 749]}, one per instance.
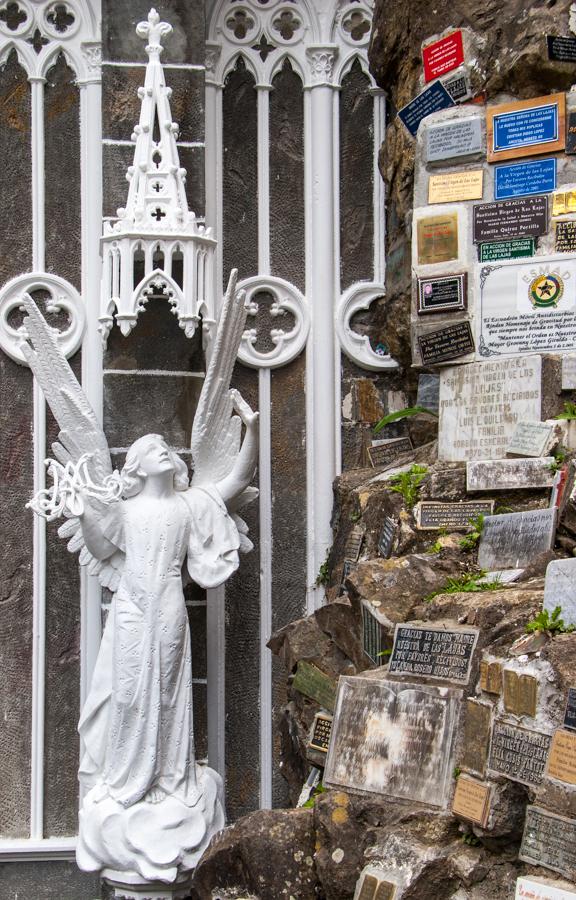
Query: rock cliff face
{"type": "Point", "coordinates": [507, 46]}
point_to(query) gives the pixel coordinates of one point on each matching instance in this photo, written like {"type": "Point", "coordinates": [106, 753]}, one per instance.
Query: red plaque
{"type": "Point", "coordinates": [443, 56]}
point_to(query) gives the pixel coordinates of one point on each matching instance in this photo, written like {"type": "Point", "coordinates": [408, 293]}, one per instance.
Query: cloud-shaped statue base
{"type": "Point", "coordinates": [160, 841]}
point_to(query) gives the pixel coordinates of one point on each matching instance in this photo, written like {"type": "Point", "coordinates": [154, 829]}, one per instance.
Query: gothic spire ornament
{"type": "Point", "coordinates": [156, 246]}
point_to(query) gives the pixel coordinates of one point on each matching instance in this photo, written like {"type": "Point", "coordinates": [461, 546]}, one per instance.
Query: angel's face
{"type": "Point", "coordinates": [155, 456]}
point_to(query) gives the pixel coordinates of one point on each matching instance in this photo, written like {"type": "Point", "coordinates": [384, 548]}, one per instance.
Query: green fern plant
{"type": "Point", "coordinates": [408, 483]}
{"type": "Point", "coordinates": [471, 538]}
{"type": "Point", "coordinates": [569, 411]}
{"type": "Point", "coordinates": [549, 623]}
{"type": "Point", "coordinates": [402, 414]}
{"type": "Point", "coordinates": [470, 582]}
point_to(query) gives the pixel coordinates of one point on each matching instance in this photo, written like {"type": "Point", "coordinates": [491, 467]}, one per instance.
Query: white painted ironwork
{"type": "Point", "coordinates": [288, 344]}
{"type": "Point", "coordinates": [156, 229]}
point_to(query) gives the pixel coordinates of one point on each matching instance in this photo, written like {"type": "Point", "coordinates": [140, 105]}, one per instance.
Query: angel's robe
{"type": "Point", "coordinates": [136, 724]}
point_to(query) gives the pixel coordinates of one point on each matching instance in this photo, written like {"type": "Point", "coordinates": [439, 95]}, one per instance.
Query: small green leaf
{"type": "Point", "coordinates": [402, 414]}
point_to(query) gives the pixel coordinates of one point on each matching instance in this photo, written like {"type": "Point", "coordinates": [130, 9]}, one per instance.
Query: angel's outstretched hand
{"type": "Point", "coordinates": [246, 413]}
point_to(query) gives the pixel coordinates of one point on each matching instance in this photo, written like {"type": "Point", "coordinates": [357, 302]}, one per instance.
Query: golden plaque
{"type": "Point", "coordinates": [437, 238]}
{"type": "Point", "coordinates": [471, 800]}
{"type": "Point", "coordinates": [562, 757]}
{"type": "Point", "coordinates": [456, 186]}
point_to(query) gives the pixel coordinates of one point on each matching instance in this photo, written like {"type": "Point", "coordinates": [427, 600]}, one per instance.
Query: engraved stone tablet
{"type": "Point", "coordinates": [446, 343]}
{"type": "Point", "coordinates": [509, 475]}
{"type": "Point", "coordinates": [562, 757]}
{"type": "Point", "coordinates": [480, 405]}
{"type": "Point", "coordinates": [375, 884]}
{"type": "Point", "coordinates": [429, 392]}
{"type": "Point", "coordinates": [431, 514]}
{"type": "Point", "coordinates": [520, 693]}
{"type": "Point", "coordinates": [380, 453]}
{"type": "Point", "coordinates": [525, 217]}
{"type": "Point", "coordinates": [542, 889]}
{"type": "Point", "coordinates": [442, 293]}
{"type": "Point", "coordinates": [494, 251]}
{"type": "Point", "coordinates": [565, 237]}
{"type": "Point", "coordinates": [386, 539]}
{"type": "Point", "coordinates": [568, 373]}
{"type": "Point", "coordinates": [529, 439]}
{"type": "Point", "coordinates": [471, 800]}
{"type": "Point", "coordinates": [491, 676]}
{"type": "Point", "coordinates": [526, 127]}
{"type": "Point", "coordinates": [518, 753]}
{"type": "Point", "coordinates": [372, 643]}
{"type": "Point", "coordinates": [549, 840]}
{"type": "Point", "coordinates": [354, 544]}
{"type": "Point", "coordinates": [441, 653]}
{"type": "Point", "coordinates": [476, 736]}
{"type": "Point", "coordinates": [526, 308]}
{"type": "Point", "coordinates": [314, 683]}
{"type": "Point", "coordinates": [512, 540]}
{"type": "Point", "coordinates": [560, 589]}
{"type": "Point", "coordinates": [570, 713]}
{"type": "Point", "coordinates": [321, 728]}
{"type": "Point", "coordinates": [560, 48]}
{"type": "Point", "coordinates": [449, 140]}
{"type": "Point", "coordinates": [437, 238]}
{"type": "Point", "coordinates": [393, 738]}
{"type": "Point", "coordinates": [453, 187]}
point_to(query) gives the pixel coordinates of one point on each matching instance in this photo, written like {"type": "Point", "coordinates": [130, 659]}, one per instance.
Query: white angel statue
{"type": "Point", "coordinates": [148, 811]}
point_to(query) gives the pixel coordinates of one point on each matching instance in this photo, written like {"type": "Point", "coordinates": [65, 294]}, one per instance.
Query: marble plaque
{"type": "Point", "coordinates": [446, 343]}
{"type": "Point", "coordinates": [441, 293]}
{"type": "Point", "coordinates": [565, 237]}
{"type": "Point", "coordinates": [560, 589]}
{"type": "Point", "coordinates": [500, 221]}
{"type": "Point", "coordinates": [524, 179]}
{"type": "Point", "coordinates": [550, 841]}
{"type": "Point", "coordinates": [443, 56]}
{"type": "Point", "coordinates": [512, 540]}
{"type": "Point", "coordinates": [450, 140]}
{"type": "Point", "coordinates": [529, 439]}
{"type": "Point", "coordinates": [375, 884]}
{"type": "Point", "coordinates": [437, 239]}
{"type": "Point", "coordinates": [321, 728]}
{"type": "Point", "coordinates": [476, 736]}
{"type": "Point", "coordinates": [570, 712]}
{"type": "Point", "coordinates": [431, 100]}
{"type": "Point", "coordinates": [354, 544]}
{"type": "Point", "coordinates": [372, 643]}
{"type": "Point", "coordinates": [518, 753]}
{"type": "Point", "coordinates": [429, 392]}
{"type": "Point", "coordinates": [386, 539]}
{"type": "Point", "coordinates": [315, 684]}
{"type": "Point", "coordinates": [394, 739]}
{"type": "Point", "coordinates": [444, 654]}
{"type": "Point", "coordinates": [480, 405]}
{"type": "Point", "coordinates": [528, 307]}
{"type": "Point", "coordinates": [509, 475]}
{"type": "Point", "coordinates": [520, 693]}
{"type": "Point", "coordinates": [382, 452]}
{"type": "Point", "coordinates": [491, 676]}
{"type": "Point", "coordinates": [526, 127]}
{"type": "Point", "coordinates": [432, 514]}
{"type": "Point", "coordinates": [568, 373]}
{"type": "Point", "coordinates": [495, 251]}
{"type": "Point", "coordinates": [471, 800]}
{"type": "Point", "coordinates": [454, 187]}
{"type": "Point", "coordinates": [541, 889]}
{"type": "Point", "coordinates": [562, 757]}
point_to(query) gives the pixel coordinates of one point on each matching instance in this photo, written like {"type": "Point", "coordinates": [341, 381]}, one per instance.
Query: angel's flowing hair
{"type": "Point", "coordinates": [133, 477]}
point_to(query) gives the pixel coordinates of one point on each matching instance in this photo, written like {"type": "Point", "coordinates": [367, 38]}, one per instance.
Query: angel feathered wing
{"type": "Point", "coordinates": [80, 437]}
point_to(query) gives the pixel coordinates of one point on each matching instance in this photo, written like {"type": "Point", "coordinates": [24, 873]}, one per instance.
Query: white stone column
{"type": "Point", "coordinates": [321, 293]}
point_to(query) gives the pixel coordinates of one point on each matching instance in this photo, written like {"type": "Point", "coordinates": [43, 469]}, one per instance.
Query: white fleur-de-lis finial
{"type": "Point", "coordinates": [153, 30]}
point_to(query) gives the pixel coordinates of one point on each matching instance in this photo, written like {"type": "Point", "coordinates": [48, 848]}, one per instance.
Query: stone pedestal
{"type": "Point", "coordinates": [152, 890]}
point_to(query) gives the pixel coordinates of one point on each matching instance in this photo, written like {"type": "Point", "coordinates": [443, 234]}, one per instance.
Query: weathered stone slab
{"type": "Point", "coordinates": [386, 539]}
{"type": "Point", "coordinates": [518, 753]}
{"type": "Point", "coordinates": [530, 439]}
{"type": "Point", "coordinates": [481, 404]}
{"type": "Point", "coordinates": [432, 514]}
{"type": "Point", "coordinates": [450, 140]}
{"type": "Point", "coordinates": [527, 308]}
{"type": "Point", "coordinates": [444, 654]}
{"type": "Point", "coordinates": [560, 589]}
{"type": "Point", "coordinates": [471, 800]}
{"type": "Point", "coordinates": [476, 736]}
{"type": "Point", "coordinates": [562, 757]}
{"type": "Point", "coordinates": [314, 683]}
{"type": "Point", "coordinates": [394, 739]}
{"type": "Point", "coordinates": [510, 474]}
{"type": "Point", "coordinates": [354, 544]}
{"type": "Point", "coordinates": [491, 676]}
{"type": "Point", "coordinates": [520, 693]}
{"type": "Point", "coordinates": [569, 373]}
{"type": "Point", "coordinates": [371, 635]}
{"type": "Point", "coordinates": [428, 392]}
{"type": "Point", "coordinates": [542, 889]}
{"type": "Point", "coordinates": [511, 540]}
{"type": "Point", "coordinates": [550, 841]}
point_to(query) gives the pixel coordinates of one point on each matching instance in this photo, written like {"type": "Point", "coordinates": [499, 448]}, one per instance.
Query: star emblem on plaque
{"type": "Point", "coordinates": [545, 291]}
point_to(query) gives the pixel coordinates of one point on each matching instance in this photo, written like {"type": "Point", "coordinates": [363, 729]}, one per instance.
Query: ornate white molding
{"type": "Point", "coordinates": [63, 298]}
{"type": "Point", "coordinates": [357, 346]}
{"type": "Point", "coordinates": [321, 62]}
{"type": "Point", "coordinates": [287, 344]}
